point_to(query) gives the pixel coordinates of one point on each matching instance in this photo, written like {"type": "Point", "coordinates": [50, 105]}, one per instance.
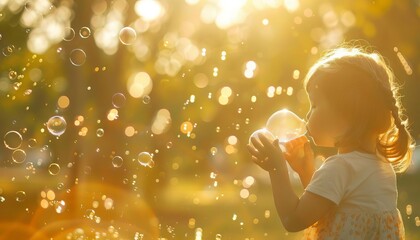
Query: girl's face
{"type": "Point", "coordinates": [324, 124]}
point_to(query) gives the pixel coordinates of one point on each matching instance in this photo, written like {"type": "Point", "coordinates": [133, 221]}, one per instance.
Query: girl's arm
{"type": "Point", "coordinates": [295, 213]}
{"type": "Point", "coordinates": [300, 157]}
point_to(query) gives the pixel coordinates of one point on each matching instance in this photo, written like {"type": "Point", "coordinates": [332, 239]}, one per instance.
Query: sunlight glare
{"type": "Point", "coordinates": [291, 5]}
{"type": "Point", "coordinates": [192, 2]}
{"type": "Point", "coordinates": [148, 10]}
{"type": "Point", "coordinates": [262, 4]}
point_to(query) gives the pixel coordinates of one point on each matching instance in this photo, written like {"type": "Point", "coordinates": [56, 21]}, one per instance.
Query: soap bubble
{"type": "Point", "coordinates": [90, 214]}
{"type": "Point", "coordinates": [32, 142]}
{"type": "Point", "coordinates": [69, 34]}
{"type": "Point", "coordinates": [118, 100]}
{"type": "Point", "coordinates": [145, 159]}
{"type": "Point", "coordinates": [56, 125]}
{"type": "Point", "coordinates": [54, 168]}
{"type": "Point", "coordinates": [19, 156]}
{"type": "Point", "coordinates": [146, 99]}
{"type": "Point", "coordinates": [12, 140]}
{"type": "Point", "coordinates": [127, 35]}
{"type": "Point", "coordinates": [100, 132]}
{"type": "Point", "coordinates": [286, 125]}
{"type": "Point", "coordinates": [7, 51]}
{"type": "Point", "coordinates": [12, 75]}
{"type": "Point", "coordinates": [117, 161]}
{"type": "Point", "coordinates": [20, 196]}
{"type": "Point", "coordinates": [77, 57]}
{"type": "Point", "coordinates": [264, 132]}
{"type": "Point", "coordinates": [84, 32]}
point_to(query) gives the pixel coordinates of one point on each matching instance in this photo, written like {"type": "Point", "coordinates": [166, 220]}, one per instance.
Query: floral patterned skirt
{"type": "Point", "coordinates": [357, 225]}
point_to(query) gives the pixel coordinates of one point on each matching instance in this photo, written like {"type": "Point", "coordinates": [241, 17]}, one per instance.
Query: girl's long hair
{"type": "Point", "coordinates": [362, 87]}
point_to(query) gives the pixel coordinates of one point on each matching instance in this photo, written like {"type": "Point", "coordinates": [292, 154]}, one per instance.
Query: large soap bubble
{"type": "Point", "coordinates": [56, 125]}
{"type": "Point", "coordinates": [264, 132]}
{"type": "Point", "coordinates": [286, 125]}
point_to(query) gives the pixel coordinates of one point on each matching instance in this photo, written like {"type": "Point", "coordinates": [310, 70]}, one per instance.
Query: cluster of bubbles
{"type": "Point", "coordinates": [77, 56]}
{"type": "Point", "coordinates": [146, 159]}
{"type": "Point", "coordinates": [109, 232]}
{"type": "Point", "coordinates": [13, 141]}
{"type": "Point", "coordinates": [49, 200]}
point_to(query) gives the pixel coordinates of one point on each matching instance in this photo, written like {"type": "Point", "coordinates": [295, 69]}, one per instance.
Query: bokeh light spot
{"type": "Point", "coordinates": [139, 85]}
{"type": "Point", "coordinates": [63, 102]}
{"type": "Point", "coordinates": [186, 127]}
{"type": "Point", "coordinates": [148, 10]}
{"type": "Point", "coordinates": [130, 131]}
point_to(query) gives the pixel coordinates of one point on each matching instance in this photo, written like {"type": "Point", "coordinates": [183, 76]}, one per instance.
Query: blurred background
{"type": "Point", "coordinates": [129, 119]}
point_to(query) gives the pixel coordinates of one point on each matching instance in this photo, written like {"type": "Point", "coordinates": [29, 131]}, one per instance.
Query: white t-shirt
{"type": "Point", "coordinates": [365, 191]}
{"type": "Point", "coordinates": [356, 181]}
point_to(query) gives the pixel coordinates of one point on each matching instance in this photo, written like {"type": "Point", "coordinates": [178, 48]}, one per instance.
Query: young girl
{"type": "Point", "coordinates": [353, 195]}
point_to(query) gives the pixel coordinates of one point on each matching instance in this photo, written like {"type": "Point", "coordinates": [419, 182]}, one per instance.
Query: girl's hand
{"type": "Point", "coordinates": [267, 154]}
{"type": "Point", "coordinates": [300, 155]}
